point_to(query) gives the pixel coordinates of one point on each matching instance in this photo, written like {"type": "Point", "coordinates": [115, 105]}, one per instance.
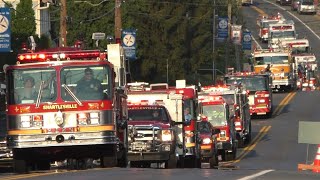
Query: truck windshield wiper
{"type": "Point", "coordinates": [72, 94]}
{"type": "Point", "coordinates": [39, 94]}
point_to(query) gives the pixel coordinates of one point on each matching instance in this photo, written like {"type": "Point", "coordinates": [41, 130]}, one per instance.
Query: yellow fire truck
{"type": "Point", "coordinates": [278, 63]}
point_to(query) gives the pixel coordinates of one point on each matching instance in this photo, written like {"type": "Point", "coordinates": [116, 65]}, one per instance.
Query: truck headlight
{"type": "Point", "coordinates": [25, 121]}
{"type": "Point", "coordinates": [166, 135]}
{"type": "Point", "coordinates": [206, 141]}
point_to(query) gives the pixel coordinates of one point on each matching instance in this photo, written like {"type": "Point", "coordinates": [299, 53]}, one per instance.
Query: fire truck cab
{"type": "Point", "coordinates": [151, 137]}
{"type": "Point", "coordinates": [69, 104]}
{"type": "Point", "coordinates": [304, 62]}
{"type": "Point", "coordinates": [281, 31]}
{"type": "Point", "coordinates": [208, 137]}
{"type": "Point", "coordinates": [263, 23]}
{"type": "Point", "coordinates": [216, 109]}
{"type": "Point", "coordinates": [180, 101]}
{"type": "Point", "coordinates": [277, 63]}
{"type": "Point", "coordinates": [258, 88]}
{"type": "Point", "coordinates": [306, 70]}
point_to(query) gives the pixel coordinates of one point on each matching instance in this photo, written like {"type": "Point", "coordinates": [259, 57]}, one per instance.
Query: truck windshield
{"type": "Point", "coordinates": [24, 85]}
{"type": "Point", "coordinates": [147, 114]}
{"type": "Point", "coordinates": [204, 127]}
{"type": "Point", "coordinates": [299, 50]}
{"type": "Point", "coordinates": [86, 83]}
{"type": "Point", "coordinates": [266, 24]}
{"type": "Point", "coordinates": [250, 83]}
{"type": "Point", "coordinates": [282, 34]}
{"type": "Point", "coordinates": [271, 60]}
{"type": "Point", "coordinates": [309, 3]}
{"type": "Point", "coordinates": [216, 114]}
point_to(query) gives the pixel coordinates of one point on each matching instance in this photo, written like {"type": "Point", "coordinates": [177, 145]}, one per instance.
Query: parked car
{"type": "Point", "coordinates": [306, 6]}
{"type": "Point", "coordinates": [294, 5]}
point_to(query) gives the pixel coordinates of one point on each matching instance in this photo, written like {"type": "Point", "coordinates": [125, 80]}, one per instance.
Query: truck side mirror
{"type": "Point", "coordinates": [123, 123]}
{"type": "Point", "coordinates": [173, 123]}
{"type": "Point", "coordinates": [215, 131]}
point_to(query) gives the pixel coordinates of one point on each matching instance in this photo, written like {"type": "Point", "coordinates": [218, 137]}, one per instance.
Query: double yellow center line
{"type": "Point", "coordinates": [263, 131]}
{"type": "Point", "coordinates": [283, 103]}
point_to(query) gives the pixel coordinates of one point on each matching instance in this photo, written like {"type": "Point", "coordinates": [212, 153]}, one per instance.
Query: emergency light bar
{"type": "Point", "coordinates": [282, 27]}
{"type": "Point", "coordinates": [210, 98]}
{"type": "Point", "coordinates": [215, 88]}
{"type": "Point", "coordinates": [57, 56]}
{"type": "Point", "coordinates": [145, 102]}
{"type": "Point", "coordinates": [137, 86]}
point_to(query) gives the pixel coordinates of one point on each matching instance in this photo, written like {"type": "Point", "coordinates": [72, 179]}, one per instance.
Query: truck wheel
{"type": "Point", "coordinates": [248, 136]}
{"type": "Point", "coordinates": [20, 166]}
{"type": "Point", "coordinates": [269, 115]}
{"type": "Point", "coordinates": [214, 162]}
{"type": "Point", "coordinates": [107, 161]}
{"type": "Point", "coordinates": [43, 165]}
{"type": "Point", "coordinates": [241, 142]}
{"type": "Point", "coordinates": [172, 162]}
{"type": "Point", "coordinates": [123, 162]}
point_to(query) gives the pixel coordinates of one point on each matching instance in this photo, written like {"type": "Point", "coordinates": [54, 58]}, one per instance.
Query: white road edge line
{"type": "Point", "coordinates": [257, 174]}
{"type": "Point", "coordinates": [259, 47]}
{"type": "Point", "coordinates": [294, 17]}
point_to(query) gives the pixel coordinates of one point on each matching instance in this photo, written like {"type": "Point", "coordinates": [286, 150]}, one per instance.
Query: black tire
{"type": "Point", "coordinates": [241, 142]}
{"type": "Point", "coordinates": [43, 165]}
{"type": "Point", "coordinates": [123, 162]}
{"type": "Point", "coordinates": [172, 162]}
{"type": "Point", "coordinates": [269, 115]}
{"type": "Point", "coordinates": [214, 162]}
{"type": "Point", "coordinates": [106, 162]}
{"type": "Point", "coordinates": [140, 164]}
{"type": "Point", "coordinates": [248, 136]}
{"type": "Point", "coordinates": [20, 166]}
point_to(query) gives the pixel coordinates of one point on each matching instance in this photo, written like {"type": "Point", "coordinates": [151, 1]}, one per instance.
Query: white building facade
{"type": "Point", "coordinates": [42, 16]}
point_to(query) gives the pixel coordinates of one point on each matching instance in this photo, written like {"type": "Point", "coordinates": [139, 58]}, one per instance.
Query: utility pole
{"type": "Point", "coordinates": [117, 21]}
{"type": "Point", "coordinates": [229, 35]}
{"type": "Point", "coordinates": [63, 23]}
{"type": "Point", "coordinates": [213, 42]}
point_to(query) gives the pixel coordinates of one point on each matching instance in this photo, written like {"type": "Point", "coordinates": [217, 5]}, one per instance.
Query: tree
{"type": "Point", "coordinates": [23, 23]}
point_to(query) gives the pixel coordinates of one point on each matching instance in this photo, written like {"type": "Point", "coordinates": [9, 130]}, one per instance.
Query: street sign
{"type": "Point", "coordinates": [309, 132]}
{"type": "Point", "coordinates": [246, 40]}
{"type": "Point", "coordinates": [5, 30]}
{"type": "Point", "coordinates": [236, 34]}
{"type": "Point", "coordinates": [222, 27]}
{"type": "Point", "coordinates": [98, 36]}
{"type": "Point", "coordinates": [129, 43]}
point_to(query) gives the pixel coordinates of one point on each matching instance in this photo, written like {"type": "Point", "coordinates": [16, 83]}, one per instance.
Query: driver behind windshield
{"type": "Point", "coordinates": [88, 87]}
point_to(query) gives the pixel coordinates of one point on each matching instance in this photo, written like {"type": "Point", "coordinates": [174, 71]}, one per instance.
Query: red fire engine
{"type": "Point", "coordinates": [176, 100]}
{"type": "Point", "coordinates": [208, 133]}
{"type": "Point", "coordinates": [218, 113]}
{"type": "Point", "coordinates": [258, 88]}
{"type": "Point", "coordinates": [151, 137]}
{"type": "Point", "coordinates": [263, 22]}
{"type": "Point", "coordinates": [67, 104]}
{"type": "Point", "coordinates": [237, 98]}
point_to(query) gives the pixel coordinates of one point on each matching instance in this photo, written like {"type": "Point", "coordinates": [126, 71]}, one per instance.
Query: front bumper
{"type": "Point", "coordinates": [260, 109]}
{"type": "Point", "coordinates": [62, 139]}
{"type": "Point", "coordinates": [224, 145]}
{"type": "Point", "coordinates": [207, 151]}
{"type": "Point", "coordinates": [161, 152]}
{"type": "Point", "coordinates": [308, 10]}
{"type": "Point", "coordinates": [284, 82]}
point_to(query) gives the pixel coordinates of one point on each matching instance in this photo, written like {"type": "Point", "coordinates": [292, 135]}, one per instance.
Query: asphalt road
{"type": "Point", "coordinates": [274, 152]}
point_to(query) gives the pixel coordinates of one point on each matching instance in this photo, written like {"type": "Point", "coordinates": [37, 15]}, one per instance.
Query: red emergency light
{"type": "Point", "coordinates": [57, 56]}
{"type": "Point", "coordinates": [297, 43]}
{"type": "Point", "coordinates": [282, 27]}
